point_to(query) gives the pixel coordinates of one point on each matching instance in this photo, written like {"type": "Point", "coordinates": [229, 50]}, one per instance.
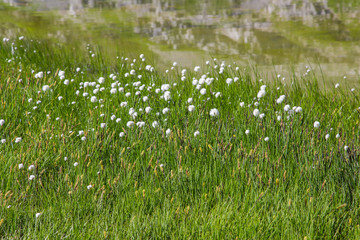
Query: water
{"type": "Point", "coordinates": [274, 35]}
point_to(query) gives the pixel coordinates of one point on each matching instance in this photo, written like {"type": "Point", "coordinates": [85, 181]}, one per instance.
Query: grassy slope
{"type": "Point", "coordinates": [221, 184]}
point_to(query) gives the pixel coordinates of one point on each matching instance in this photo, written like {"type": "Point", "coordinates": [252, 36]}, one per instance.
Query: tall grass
{"type": "Point", "coordinates": [149, 183]}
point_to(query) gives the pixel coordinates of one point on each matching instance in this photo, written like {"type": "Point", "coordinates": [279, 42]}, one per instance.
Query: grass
{"type": "Point", "coordinates": [149, 183]}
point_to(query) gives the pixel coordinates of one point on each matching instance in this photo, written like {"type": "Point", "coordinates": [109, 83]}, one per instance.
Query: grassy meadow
{"type": "Point", "coordinates": [97, 148]}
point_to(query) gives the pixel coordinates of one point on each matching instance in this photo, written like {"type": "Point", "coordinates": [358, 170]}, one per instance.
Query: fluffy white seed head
{"type": "Point", "coordinates": [261, 93]}
{"type": "Point", "coordinates": [327, 136]}
{"type": "Point", "coordinates": [155, 124]}
{"type": "Point", "coordinates": [165, 87]}
{"type": "Point", "coordinates": [167, 95]}
{"type": "Point", "coordinates": [39, 75]}
{"type": "Point", "coordinates": [191, 108]}
{"type": "Point", "coordinates": [45, 88]}
{"type": "Point", "coordinates": [214, 112]}
{"type": "Point", "coordinates": [256, 112]}
{"type": "Point", "coordinates": [131, 111]}
{"type": "Point", "coordinates": [93, 99]}
{"type": "Point", "coordinates": [123, 104]}
{"type": "Point", "coordinates": [208, 81]}
{"type": "Point", "coordinates": [140, 124]}
{"type": "Point", "coordinates": [287, 108]}
{"type": "Point", "coordinates": [129, 124]}
{"type": "Point", "coordinates": [168, 132]}
{"type": "Point", "coordinates": [280, 99]}
{"type": "Point", "coordinates": [101, 80]}
{"type": "Point", "coordinates": [165, 110]}
{"type": "Point", "coordinates": [148, 109]}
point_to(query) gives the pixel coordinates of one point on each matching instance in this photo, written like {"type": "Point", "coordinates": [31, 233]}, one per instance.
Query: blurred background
{"type": "Point", "coordinates": [271, 34]}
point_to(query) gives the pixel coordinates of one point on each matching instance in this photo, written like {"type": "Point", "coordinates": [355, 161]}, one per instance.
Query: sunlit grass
{"type": "Point", "coordinates": [72, 168]}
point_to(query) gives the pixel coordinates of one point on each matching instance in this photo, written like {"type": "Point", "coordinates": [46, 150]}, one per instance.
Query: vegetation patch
{"type": "Point", "coordinates": [93, 148]}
